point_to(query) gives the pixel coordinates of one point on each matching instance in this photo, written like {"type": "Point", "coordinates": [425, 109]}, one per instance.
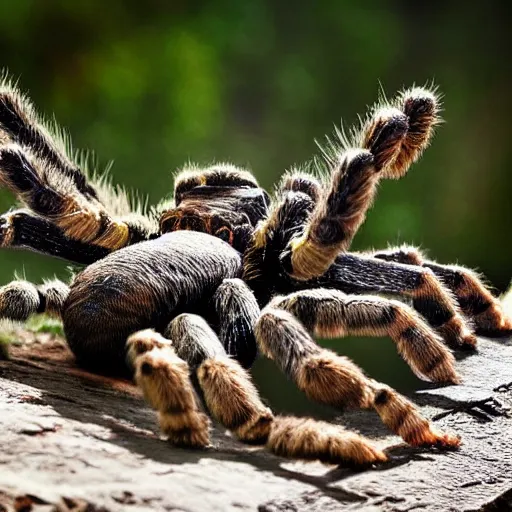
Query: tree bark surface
{"type": "Point", "coordinates": [72, 441]}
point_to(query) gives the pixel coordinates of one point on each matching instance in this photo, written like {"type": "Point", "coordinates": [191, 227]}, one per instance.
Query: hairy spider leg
{"type": "Point", "coordinates": [331, 313]}
{"type": "Point", "coordinates": [299, 181]}
{"type": "Point", "coordinates": [53, 196]}
{"type": "Point", "coordinates": [164, 378]}
{"type": "Point", "coordinates": [350, 272]}
{"type": "Point", "coordinates": [421, 106]}
{"type": "Point", "coordinates": [268, 252]}
{"type": "Point", "coordinates": [474, 298]}
{"type": "Point", "coordinates": [384, 148]}
{"type": "Point", "coordinates": [237, 311]}
{"type": "Point", "coordinates": [21, 229]}
{"type": "Point", "coordinates": [36, 167]}
{"type": "Point", "coordinates": [21, 125]}
{"type": "Point", "coordinates": [20, 299]}
{"type": "Point", "coordinates": [227, 389]}
{"type": "Point", "coordinates": [233, 400]}
{"type": "Point", "coordinates": [354, 273]}
{"type": "Point", "coordinates": [282, 335]}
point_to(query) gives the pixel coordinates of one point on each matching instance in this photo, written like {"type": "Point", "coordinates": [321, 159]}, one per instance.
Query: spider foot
{"type": "Point", "coordinates": [307, 439]}
{"type": "Point", "coordinates": [432, 300]}
{"type": "Point", "coordinates": [187, 429]}
{"type": "Point", "coordinates": [457, 333]}
{"type": "Point", "coordinates": [402, 417]}
{"type": "Point", "coordinates": [436, 438]}
{"type": "Point", "coordinates": [421, 106]}
{"type": "Point", "coordinates": [493, 321]}
{"type": "Point", "coordinates": [233, 399]}
{"type": "Point", "coordinates": [165, 383]}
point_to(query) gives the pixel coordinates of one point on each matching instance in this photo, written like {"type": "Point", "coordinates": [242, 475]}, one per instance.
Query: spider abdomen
{"type": "Point", "coordinates": [141, 286]}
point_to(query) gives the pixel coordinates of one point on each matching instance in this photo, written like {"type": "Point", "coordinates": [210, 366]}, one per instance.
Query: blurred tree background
{"type": "Point", "coordinates": [154, 84]}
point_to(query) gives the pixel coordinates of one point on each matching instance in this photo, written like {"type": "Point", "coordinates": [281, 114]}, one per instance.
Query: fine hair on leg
{"type": "Point", "coordinates": [355, 273]}
{"type": "Point", "coordinates": [237, 311]}
{"type": "Point", "coordinates": [165, 381]}
{"type": "Point", "coordinates": [21, 299]}
{"type": "Point", "coordinates": [336, 381]}
{"type": "Point", "coordinates": [227, 389]}
{"type": "Point", "coordinates": [331, 313]}
{"type": "Point", "coordinates": [473, 297]}
{"type": "Point", "coordinates": [54, 196]}
{"type": "Point", "coordinates": [35, 164]}
{"type": "Point", "coordinates": [21, 229]}
{"type": "Point", "coordinates": [232, 398]}
{"type": "Point", "coordinates": [392, 137]}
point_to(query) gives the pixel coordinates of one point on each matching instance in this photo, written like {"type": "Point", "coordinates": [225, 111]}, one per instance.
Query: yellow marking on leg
{"type": "Point", "coordinates": [311, 259]}
{"type": "Point", "coordinates": [116, 235]}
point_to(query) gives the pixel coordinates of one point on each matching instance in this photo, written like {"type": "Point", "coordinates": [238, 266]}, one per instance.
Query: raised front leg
{"type": "Point", "coordinates": [52, 195]}
{"type": "Point", "coordinates": [474, 298]}
{"type": "Point", "coordinates": [39, 170]}
{"type": "Point", "coordinates": [391, 139]}
{"type": "Point", "coordinates": [21, 125]}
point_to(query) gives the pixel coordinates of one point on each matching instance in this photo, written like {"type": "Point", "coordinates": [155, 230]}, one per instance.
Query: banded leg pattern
{"type": "Point", "coordinates": [37, 167]}
{"type": "Point", "coordinates": [474, 298]}
{"type": "Point", "coordinates": [282, 334]}
{"type": "Point", "coordinates": [390, 140]}
{"type": "Point", "coordinates": [22, 229]}
{"type": "Point", "coordinates": [164, 379]}
{"type": "Point", "coordinates": [233, 400]}
{"type": "Point", "coordinates": [355, 273]}
{"type": "Point", "coordinates": [52, 195]}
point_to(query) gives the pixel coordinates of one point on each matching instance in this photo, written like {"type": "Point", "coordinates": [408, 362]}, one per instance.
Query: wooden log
{"type": "Point", "coordinates": [71, 441]}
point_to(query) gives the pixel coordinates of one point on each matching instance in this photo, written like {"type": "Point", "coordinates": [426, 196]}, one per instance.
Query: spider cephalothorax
{"type": "Point", "coordinates": [185, 295]}
{"type": "Point", "coordinates": [222, 200]}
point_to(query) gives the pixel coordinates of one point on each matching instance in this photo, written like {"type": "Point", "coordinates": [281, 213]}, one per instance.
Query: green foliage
{"type": "Point", "coordinates": [7, 338]}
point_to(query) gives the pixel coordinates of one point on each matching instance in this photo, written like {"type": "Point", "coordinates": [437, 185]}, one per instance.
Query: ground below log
{"type": "Point", "coordinates": [71, 441]}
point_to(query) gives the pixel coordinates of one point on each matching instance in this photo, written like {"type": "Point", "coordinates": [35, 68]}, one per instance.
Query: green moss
{"type": "Point", "coordinates": [44, 324]}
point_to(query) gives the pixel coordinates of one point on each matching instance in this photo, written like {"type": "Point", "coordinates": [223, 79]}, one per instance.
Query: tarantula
{"type": "Point", "coordinates": [185, 295]}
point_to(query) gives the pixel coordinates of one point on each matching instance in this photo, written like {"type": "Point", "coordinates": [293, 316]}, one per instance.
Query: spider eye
{"type": "Point", "coordinates": [224, 233]}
